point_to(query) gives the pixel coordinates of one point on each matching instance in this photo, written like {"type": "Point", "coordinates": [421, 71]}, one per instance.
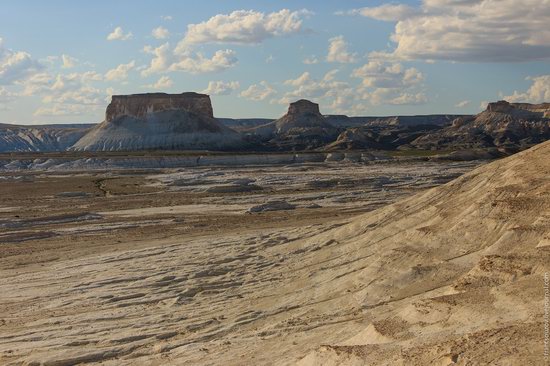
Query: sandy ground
{"type": "Point", "coordinates": [169, 267]}
{"type": "Point", "coordinates": [47, 216]}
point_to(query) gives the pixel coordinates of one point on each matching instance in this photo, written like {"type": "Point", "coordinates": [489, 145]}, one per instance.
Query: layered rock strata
{"type": "Point", "coordinates": [159, 121]}
{"type": "Point", "coordinates": [513, 126]}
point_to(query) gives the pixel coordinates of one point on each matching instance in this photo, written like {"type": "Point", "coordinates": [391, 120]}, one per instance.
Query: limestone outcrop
{"type": "Point", "coordinates": [159, 121]}
{"type": "Point", "coordinates": [140, 105]}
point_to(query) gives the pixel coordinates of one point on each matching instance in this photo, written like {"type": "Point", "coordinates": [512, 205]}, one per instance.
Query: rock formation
{"type": "Point", "coordinates": [159, 121]}
{"type": "Point", "coordinates": [303, 116]}
{"type": "Point", "coordinates": [356, 138]}
{"type": "Point", "coordinates": [440, 120]}
{"type": "Point", "coordinates": [502, 106]}
{"type": "Point", "coordinates": [140, 105]}
{"type": "Point", "coordinates": [303, 127]}
{"type": "Point", "coordinates": [512, 126]}
{"type": "Point", "coordinates": [186, 122]}
{"type": "Point", "coordinates": [40, 138]}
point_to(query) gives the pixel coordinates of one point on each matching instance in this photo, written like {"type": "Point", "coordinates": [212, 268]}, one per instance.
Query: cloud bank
{"type": "Point", "coordinates": [467, 30]}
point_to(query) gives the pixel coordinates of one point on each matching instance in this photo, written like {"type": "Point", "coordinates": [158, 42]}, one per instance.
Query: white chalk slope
{"type": "Point", "coordinates": [39, 138]}
{"type": "Point", "coordinates": [168, 129]}
{"type": "Point", "coordinates": [454, 275]}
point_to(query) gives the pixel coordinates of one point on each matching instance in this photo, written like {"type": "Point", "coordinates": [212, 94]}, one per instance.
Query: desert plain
{"type": "Point", "coordinates": [307, 262]}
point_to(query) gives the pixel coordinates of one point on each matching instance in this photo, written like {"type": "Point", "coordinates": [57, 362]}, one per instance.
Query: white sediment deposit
{"type": "Point", "coordinates": [39, 138]}
{"type": "Point", "coordinates": [153, 162]}
{"type": "Point", "coordinates": [450, 275]}
{"type": "Point", "coordinates": [159, 121]}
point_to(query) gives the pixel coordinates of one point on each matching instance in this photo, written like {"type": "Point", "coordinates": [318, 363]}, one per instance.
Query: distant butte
{"type": "Point", "coordinates": [302, 114]}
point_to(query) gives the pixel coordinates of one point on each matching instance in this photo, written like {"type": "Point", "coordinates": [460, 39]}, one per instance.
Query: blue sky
{"type": "Point", "coordinates": [61, 60]}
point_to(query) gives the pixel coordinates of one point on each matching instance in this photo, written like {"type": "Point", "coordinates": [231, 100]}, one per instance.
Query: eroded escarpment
{"type": "Point", "coordinates": [504, 125]}
{"type": "Point", "coordinates": [502, 106]}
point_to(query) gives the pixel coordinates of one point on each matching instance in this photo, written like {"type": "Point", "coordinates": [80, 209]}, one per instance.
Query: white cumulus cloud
{"type": "Point", "coordinates": [221, 87]}
{"type": "Point", "coordinates": [16, 65]}
{"type": "Point", "coordinates": [197, 63]}
{"type": "Point", "coordinates": [334, 95]}
{"type": "Point", "coordinates": [165, 60]}
{"type": "Point", "coordinates": [66, 94]}
{"type": "Point", "coordinates": [538, 92]}
{"type": "Point", "coordinates": [160, 33]}
{"type": "Point", "coordinates": [120, 72]}
{"type": "Point", "coordinates": [244, 27]}
{"type": "Point", "coordinates": [118, 35]}
{"type": "Point", "coordinates": [258, 92]}
{"type": "Point", "coordinates": [390, 83]}
{"type": "Point", "coordinates": [387, 12]}
{"type": "Point", "coordinates": [467, 30]}
{"type": "Point", "coordinates": [378, 74]}
{"type": "Point", "coordinates": [338, 51]}
{"type": "Point", "coordinates": [164, 82]}
{"type": "Point", "coordinates": [68, 61]}
{"type": "Point", "coordinates": [161, 61]}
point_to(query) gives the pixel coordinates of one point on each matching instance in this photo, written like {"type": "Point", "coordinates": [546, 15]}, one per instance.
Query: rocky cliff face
{"type": "Point", "coordinates": [139, 105]}
{"type": "Point", "coordinates": [159, 121]}
{"type": "Point", "coordinates": [514, 126]}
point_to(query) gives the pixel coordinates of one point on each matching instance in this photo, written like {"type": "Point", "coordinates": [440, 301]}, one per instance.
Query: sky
{"type": "Point", "coordinates": [60, 61]}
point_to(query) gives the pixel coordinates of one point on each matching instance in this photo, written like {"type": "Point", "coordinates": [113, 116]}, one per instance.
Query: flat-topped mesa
{"type": "Point", "coordinates": [139, 105]}
{"type": "Point", "coordinates": [159, 121]}
{"type": "Point", "coordinates": [302, 107]}
{"type": "Point", "coordinates": [503, 106]}
{"type": "Point", "coordinates": [302, 114]}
